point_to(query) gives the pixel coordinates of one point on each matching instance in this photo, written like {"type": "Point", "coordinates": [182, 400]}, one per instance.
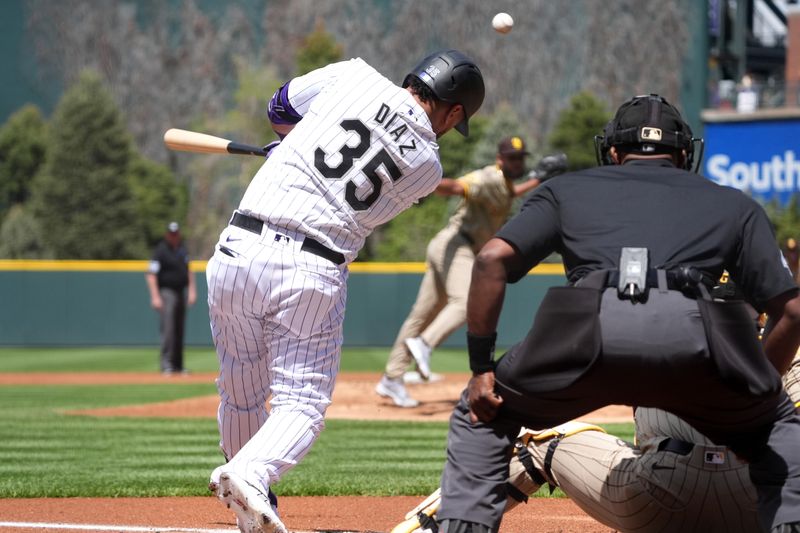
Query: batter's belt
{"type": "Point", "coordinates": [312, 246]}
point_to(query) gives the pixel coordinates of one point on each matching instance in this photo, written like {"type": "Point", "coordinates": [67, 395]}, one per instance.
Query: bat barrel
{"type": "Point", "coordinates": [192, 141]}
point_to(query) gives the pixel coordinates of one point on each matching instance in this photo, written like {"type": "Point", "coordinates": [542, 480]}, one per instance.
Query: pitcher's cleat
{"type": "Point", "coordinates": [421, 353]}
{"type": "Point", "coordinates": [396, 391]}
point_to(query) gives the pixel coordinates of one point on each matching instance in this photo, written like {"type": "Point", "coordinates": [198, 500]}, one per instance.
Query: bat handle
{"type": "Point", "coordinates": [245, 149]}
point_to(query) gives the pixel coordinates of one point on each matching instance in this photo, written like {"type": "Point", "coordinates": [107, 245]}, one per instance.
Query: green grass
{"type": "Point", "coordinates": [48, 453]}
{"type": "Point", "coordinates": [197, 359]}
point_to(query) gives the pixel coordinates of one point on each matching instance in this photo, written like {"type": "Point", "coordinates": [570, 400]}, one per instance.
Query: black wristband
{"type": "Point", "coordinates": [481, 352]}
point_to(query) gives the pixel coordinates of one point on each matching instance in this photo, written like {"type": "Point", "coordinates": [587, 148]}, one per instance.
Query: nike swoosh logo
{"type": "Point", "coordinates": [231, 239]}
{"type": "Point", "coordinates": [226, 251]}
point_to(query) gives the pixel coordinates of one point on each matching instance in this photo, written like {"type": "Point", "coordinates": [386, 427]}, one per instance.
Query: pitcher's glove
{"type": "Point", "coordinates": [550, 166]}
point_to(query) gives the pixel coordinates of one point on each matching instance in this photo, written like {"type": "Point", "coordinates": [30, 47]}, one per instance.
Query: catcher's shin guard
{"type": "Point", "coordinates": [422, 517]}
{"type": "Point", "coordinates": [530, 466]}
{"type": "Point", "coordinates": [527, 472]}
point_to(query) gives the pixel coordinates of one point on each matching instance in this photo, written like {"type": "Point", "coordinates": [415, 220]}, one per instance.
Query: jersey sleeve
{"type": "Point", "coordinates": [472, 185]}
{"type": "Point", "coordinates": [154, 265]}
{"type": "Point", "coordinates": [303, 89]}
{"type": "Point", "coordinates": [534, 231]}
{"type": "Point", "coordinates": [760, 268]}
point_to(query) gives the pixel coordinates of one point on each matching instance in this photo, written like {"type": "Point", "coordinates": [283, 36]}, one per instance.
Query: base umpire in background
{"type": "Point", "coordinates": [168, 280]}
{"type": "Point", "coordinates": [642, 240]}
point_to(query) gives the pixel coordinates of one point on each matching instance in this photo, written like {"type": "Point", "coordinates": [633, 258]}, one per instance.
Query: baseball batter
{"type": "Point", "coordinates": [676, 479]}
{"type": "Point", "coordinates": [441, 304]}
{"type": "Point", "coordinates": [356, 151]}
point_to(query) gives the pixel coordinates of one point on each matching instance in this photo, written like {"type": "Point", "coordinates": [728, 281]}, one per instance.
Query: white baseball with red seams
{"type": "Point", "coordinates": [363, 152]}
{"type": "Point", "coordinates": [502, 22]}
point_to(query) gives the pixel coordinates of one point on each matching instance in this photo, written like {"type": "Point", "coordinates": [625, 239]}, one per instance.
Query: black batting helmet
{"type": "Point", "coordinates": [647, 124]}
{"type": "Point", "coordinates": [454, 78]}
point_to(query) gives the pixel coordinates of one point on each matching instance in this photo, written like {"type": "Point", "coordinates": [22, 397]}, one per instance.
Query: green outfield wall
{"type": "Point", "coordinates": [81, 303]}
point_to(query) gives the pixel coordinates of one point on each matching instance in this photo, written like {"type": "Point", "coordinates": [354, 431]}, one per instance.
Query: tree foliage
{"type": "Point", "coordinates": [217, 183]}
{"type": "Point", "coordinates": [187, 63]}
{"type": "Point", "coordinates": [82, 197]}
{"type": "Point", "coordinates": [22, 149]}
{"type": "Point", "coordinates": [458, 152]}
{"type": "Point", "coordinates": [576, 127]}
{"type": "Point", "coordinates": [503, 122]}
{"type": "Point", "coordinates": [785, 219]}
{"type": "Point", "coordinates": [158, 197]}
{"type": "Point", "coordinates": [21, 235]}
{"type": "Point", "coordinates": [319, 49]}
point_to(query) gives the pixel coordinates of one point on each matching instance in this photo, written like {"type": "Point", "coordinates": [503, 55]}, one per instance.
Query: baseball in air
{"type": "Point", "coordinates": [502, 23]}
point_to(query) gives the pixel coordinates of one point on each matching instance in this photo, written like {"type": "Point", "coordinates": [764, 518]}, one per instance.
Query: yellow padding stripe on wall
{"type": "Point", "coordinates": [23, 265]}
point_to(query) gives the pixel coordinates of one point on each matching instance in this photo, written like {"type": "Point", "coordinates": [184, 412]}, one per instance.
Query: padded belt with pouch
{"type": "Point", "coordinates": [730, 329]}
{"type": "Point", "coordinates": [549, 359]}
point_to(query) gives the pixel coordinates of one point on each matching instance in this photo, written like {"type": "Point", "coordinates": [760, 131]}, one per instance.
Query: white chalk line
{"type": "Point", "coordinates": [132, 529]}
{"type": "Point", "coordinates": [102, 527]}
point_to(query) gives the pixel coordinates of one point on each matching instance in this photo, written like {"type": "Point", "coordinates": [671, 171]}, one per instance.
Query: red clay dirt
{"type": "Point", "coordinates": [354, 398]}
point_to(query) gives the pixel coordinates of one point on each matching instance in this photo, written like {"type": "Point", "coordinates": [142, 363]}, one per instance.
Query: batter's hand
{"type": "Point", "coordinates": [270, 147]}
{"type": "Point", "coordinates": [483, 402]}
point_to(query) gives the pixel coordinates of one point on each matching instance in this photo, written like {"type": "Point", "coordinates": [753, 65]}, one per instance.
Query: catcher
{"type": "Point", "coordinates": [675, 479]}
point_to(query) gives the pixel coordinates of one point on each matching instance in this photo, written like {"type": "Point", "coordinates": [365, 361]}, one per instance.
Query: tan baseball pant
{"type": "Point", "coordinates": [441, 305]}
{"type": "Point", "coordinates": [645, 489]}
{"type": "Point", "coordinates": [630, 489]}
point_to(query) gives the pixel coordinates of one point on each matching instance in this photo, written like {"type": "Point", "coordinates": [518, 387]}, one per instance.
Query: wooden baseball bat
{"type": "Point", "coordinates": [192, 141]}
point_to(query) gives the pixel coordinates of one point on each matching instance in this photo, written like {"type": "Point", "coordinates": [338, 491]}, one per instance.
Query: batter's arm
{"type": "Point", "coordinates": [281, 130]}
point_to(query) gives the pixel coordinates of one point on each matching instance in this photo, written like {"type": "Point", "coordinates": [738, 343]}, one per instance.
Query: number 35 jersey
{"type": "Point", "coordinates": [363, 152]}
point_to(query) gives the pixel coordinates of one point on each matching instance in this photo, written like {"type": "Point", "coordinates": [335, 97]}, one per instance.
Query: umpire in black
{"type": "Point", "coordinates": [642, 239]}
{"type": "Point", "coordinates": [168, 278]}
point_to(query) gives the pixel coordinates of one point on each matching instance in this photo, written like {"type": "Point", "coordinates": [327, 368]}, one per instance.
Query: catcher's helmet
{"type": "Point", "coordinates": [647, 124]}
{"type": "Point", "coordinates": [453, 78]}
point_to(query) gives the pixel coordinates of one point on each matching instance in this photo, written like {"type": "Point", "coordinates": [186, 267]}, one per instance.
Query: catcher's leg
{"type": "Point", "coordinates": [527, 472]}
{"type": "Point", "coordinates": [791, 381]}
{"type": "Point", "coordinates": [421, 517]}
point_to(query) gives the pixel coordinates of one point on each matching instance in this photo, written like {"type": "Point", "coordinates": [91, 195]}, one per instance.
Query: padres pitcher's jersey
{"type": "Point", "coordinates": [488, 197]}
{"type": "Point", "coordinates": [363, 152]}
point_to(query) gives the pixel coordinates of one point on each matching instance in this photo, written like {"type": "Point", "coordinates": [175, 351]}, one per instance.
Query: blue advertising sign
{"type": "Point", "coordinates": [761, 158]}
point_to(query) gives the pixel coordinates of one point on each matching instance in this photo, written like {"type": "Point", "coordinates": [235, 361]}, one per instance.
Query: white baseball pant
{"type": "Point", "coordinates": [276, 317]}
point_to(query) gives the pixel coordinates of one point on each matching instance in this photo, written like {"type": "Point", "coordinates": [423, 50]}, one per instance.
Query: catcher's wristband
{"type": "Point", "coordinates": [481, 352]}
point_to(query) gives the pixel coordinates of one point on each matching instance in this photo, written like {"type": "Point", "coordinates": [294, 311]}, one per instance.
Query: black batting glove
{"type": "Point", "coordinates": [268, 148]}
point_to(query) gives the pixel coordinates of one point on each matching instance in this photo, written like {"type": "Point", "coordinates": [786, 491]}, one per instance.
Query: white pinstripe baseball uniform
{"type": "Point", "coordinates": [363, 152]}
